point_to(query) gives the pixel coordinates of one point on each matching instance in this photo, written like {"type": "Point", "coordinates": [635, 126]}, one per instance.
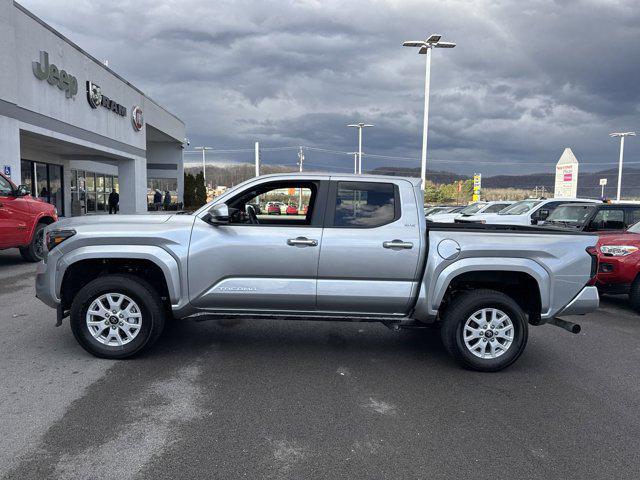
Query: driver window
{"type": "Point", "coordinates": [288, 204]}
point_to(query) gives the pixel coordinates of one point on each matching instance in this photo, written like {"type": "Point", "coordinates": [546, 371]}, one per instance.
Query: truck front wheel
{"type": "Point", "coordinates": [484, 330]}
{"type": "Point", "coordinates": [117, 316]}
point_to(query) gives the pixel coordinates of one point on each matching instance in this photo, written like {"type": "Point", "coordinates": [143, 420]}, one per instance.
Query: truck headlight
{"type": "Point", "coordinates": [56, 237]}
{"type": "Point", "coordinates": [618, 250]}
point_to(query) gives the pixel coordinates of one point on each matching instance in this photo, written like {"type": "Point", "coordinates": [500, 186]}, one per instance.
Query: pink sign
{"type": "Point", "coordinates": [568, 177]}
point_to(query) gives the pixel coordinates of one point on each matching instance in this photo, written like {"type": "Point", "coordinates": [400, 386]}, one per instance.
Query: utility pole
{"type": "Point", "coordinates": [425, 47]}
{"type": "Point", "coordinates": [300, 164]}
{"type": "Point", "coordinates": [204, 168]}
{"type": "Point", "coordinates": [355, 162]}
{"type": "Point", "coordinates": [360, 126]}
{"type": "Point", "coordinates": [621, 135]}
{"type": "Point", "coordinates": [257, 158]}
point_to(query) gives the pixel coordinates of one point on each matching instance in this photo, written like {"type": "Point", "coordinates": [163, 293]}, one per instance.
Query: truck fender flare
{"type": "Point", "coordinates": [160, 257]}
{"type": "Point", "coordinates": [524, 265]}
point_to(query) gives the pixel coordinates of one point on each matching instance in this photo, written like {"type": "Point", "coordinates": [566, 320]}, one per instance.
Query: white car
{"type": "Point", "coordinates": [478, 208]}
{"type": "Point", "coordinates": [526, 212]}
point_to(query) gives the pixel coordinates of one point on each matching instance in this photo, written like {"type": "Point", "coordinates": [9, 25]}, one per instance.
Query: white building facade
{"type": "Point", "coordinates": [73, 130]}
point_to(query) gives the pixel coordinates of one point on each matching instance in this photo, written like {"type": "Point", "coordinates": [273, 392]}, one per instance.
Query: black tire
{"type": "Point", "coordinates": [34, 252]}
{"type": "Point", "coordinates": [634, 294]}
{"type": "Point", "coordinates": [141, 292]}
{"type": "Point", "coordinates": [462, 307]}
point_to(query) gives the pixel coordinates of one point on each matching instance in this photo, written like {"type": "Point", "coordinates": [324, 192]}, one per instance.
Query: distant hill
{"type": "Point", "coordinates": [588, 182]}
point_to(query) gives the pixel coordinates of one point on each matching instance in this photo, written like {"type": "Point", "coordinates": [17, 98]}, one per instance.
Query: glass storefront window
{"type": "Point", "coordinates": [41, 187]}
{"type": "Point", "coordinates": [55, 186]}
{"type": "Point", "coordinates": [27, 174]}
{"type": "Point", "coordinates": [91, 202]}
{"type": "Point", "coordinates": [162, 185]}
{"type": "Point", "coordinates": [93, 190]}
{"type": "Point", "coordinates": [45, 181]}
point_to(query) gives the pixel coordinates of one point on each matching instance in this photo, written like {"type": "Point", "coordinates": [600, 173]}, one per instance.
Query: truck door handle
{"type": "Point", "coordinates": [397, 244]}
{"type": "Point", "coordinates": [302, 241]}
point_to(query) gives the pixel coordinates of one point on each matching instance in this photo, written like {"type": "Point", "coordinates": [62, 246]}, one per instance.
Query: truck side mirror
{"type": "Point", "coordinates": [218, 214]}
{"type": "Point", "coordinates": [21, 191]}
{"type": "Point", "coordinates": [543, 214]}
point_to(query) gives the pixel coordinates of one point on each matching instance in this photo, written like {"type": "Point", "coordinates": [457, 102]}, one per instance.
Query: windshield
{"type": "Point", "coordinates": [471, 209]}
{"type": "Point", "coordinates": [570, 214]}
{"type": "Point", "coordinates": [519, 208]}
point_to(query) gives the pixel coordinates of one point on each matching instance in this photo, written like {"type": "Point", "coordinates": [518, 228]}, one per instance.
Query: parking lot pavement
{"type": "Point", "coordinates": [266, 399]}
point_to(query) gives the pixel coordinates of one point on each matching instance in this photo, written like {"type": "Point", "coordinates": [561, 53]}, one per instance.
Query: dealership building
{"type": "Point", "coordinates": [71, 129]}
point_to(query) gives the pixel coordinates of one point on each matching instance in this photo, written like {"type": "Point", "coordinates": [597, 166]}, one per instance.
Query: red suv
{"type": "Point", "coordinates": [23, 219]}
{"type": "Point", "coordinates": [619, 264]}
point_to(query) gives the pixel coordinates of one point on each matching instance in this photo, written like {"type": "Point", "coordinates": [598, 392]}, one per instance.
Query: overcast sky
{"type": "Point", "coordinates": [527, 78]}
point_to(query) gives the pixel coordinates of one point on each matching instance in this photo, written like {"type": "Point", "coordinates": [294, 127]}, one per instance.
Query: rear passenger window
{"type": "Point", "coordinates": [365, 205]}
{"type": "Point", "coordinates": [608, 220]}
{"type": "Point", "coordinates": [634, 216]}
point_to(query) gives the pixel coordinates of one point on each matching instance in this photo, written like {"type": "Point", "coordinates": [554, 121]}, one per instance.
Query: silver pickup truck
{"type": "Point", "coordinates": [355, 248]}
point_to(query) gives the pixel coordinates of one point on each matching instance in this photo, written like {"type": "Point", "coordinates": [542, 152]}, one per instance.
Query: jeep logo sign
{"type": "Point", "coordinates": [64, 81]}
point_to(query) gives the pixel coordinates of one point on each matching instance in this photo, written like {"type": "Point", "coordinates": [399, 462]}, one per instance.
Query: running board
{"type": "Point", "coordinates": [386, 320]}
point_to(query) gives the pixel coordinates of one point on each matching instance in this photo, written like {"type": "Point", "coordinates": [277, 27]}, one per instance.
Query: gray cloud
{"type": "Point", "coordinates": [526, 80]}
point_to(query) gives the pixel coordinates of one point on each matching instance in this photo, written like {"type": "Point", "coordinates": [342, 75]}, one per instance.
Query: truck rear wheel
{"type": "Point", "coordinates": [484, 330]}
{"type": "Point", "coordinates": [634, 294]}
{"type": "Point", "coordinates": [34, 252]}
{"type": "Point", "coordinates": [117, 316]}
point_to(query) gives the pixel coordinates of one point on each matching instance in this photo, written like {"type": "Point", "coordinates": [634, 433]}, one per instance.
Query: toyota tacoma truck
{"type": "Point", "coordinates": [363, 251]}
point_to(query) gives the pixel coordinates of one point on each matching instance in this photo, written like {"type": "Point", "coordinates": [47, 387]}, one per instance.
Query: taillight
{"type": "Point", "coordinates": [593, 252]}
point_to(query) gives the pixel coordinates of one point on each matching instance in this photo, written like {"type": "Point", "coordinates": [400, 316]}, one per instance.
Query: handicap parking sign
{"type": "Point", "coordinates": [7, 170]}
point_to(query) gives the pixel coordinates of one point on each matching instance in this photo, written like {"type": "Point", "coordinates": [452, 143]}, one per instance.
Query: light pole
{"type": "Point", "coordinates": [621, 135]}
{"type": "Point", "coordinates": [355, 162]}
{"type": "Point", "coordinates": [360, 126]}
{"type": "Point", "coordinates": [204, 173]}
{"type": "Point", "coordinates": [425, 48]}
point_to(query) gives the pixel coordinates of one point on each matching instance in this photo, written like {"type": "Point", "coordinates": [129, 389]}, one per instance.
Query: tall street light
{"type": "Point", "coordinates": [621, 135]}
{"type": "Point", "coordinates": [425, 47]}
{"type": "Point", "coordinates": [360, 126]}
{"type": "Point", "coordinates": [355, 161]}
{"type": "Point", "coordinates": [204, 173]}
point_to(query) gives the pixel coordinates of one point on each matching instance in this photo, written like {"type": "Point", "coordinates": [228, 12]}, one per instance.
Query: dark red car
{"type": "Point", "coordinates": [23, 219]}
{"type": "Point", "coordinates": [619, 264]}
{"type": "Point", "coordinates": [273, 209]}
{"type": "Point", "coordinates": [291, 210]}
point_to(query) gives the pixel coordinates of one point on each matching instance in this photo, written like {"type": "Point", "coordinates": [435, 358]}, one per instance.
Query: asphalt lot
{"type": "Point", "coordinates": [305, 400]}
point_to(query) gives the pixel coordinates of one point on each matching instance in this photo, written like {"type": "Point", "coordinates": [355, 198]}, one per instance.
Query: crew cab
{"type": "Point", "coordinates": [598, 217]}
{"type": "Point", "coordinates": [525, 212]}
{"type": "Point", "coordinates": [23, 220]}
{"type": "Point", "coordinates": [619, 264]}
{"type": "Point", "coordinates": [362, 252]}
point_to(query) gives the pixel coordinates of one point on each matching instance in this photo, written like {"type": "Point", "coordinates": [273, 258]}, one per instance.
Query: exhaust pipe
{"type": "Point", "coordinates": [568, 326]}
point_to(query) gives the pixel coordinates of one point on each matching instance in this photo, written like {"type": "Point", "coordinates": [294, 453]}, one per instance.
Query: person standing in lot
{"type": "Point", "coordinates": [114, 200]}
{"type": "Point", "coordinates": [167, 199]}
{"type": "Point", "coordinates": [157, 200]}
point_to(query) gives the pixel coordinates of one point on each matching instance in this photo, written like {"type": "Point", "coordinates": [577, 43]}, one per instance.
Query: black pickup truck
{"type": "Point", "coordinates": [594, 217]}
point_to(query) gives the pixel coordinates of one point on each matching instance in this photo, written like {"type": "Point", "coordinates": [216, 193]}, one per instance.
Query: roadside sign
{"type": "Point", "coordinates": [477, 186]}
{"type": "Point", "coordinates": [603, 181]}
{"type": "Point", "coordinates": [7, 170]}
{"type": "Point", "coordinates": [566, 175]}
